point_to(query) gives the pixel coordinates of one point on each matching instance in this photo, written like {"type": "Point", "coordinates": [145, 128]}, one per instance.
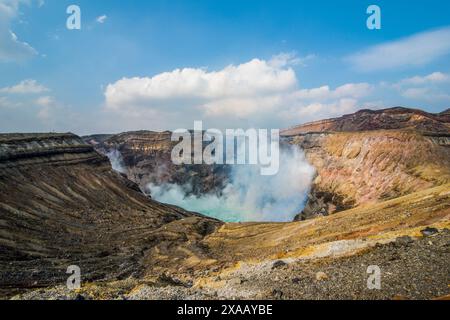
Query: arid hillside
{"type": "Point", "coordinates": [324, 258]}
{"type": "Point", "coordinates": [359, 168]}
{"type": "Point", "coordinates": [384, 119]}
{"type": "Point", "coordinates": [373, 155]}
{"type": "Point", "coordinates": [363, 158]}
{"type": "Point", "coordinates": [61, 204]}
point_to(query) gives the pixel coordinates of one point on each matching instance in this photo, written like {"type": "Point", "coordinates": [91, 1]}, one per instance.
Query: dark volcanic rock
{"type": "Point", "coordinates": [429, 231]}
{"type": "Point", "coordinates": [404, 241]}
{"type": "Point", "coordinates": [386, 119]}
{"type": "Point", "coordinates": [146, 156]}
{"type": "Point", "coordinates": [278, 264]}
{"type": "Point", "coordinates": [61, 204]}
{"type": "Point", "coordinates": [366, 157]}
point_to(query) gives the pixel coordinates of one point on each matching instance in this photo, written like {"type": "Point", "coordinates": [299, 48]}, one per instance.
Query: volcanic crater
{"type": "Point", "coordinates": [382, 179]}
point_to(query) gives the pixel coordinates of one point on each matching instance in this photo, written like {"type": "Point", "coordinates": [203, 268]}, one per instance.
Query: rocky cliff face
{"type": "Point", "coordinates": [61, 204]}
{"type": "Point", "coordinates": [358, 161]}
{"type": "Point", "coordinates": [146, 157]}
{"type": "Point", "coordinates": [361, 168]}
{"type": "Point", "coordinates": [386, 119]}
{"type": "Point", "coordinates": [373, 155]}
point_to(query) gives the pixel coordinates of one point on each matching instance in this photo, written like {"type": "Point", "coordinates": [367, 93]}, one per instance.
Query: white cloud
{"type": "Point", "coordinates": [425, 94]}
{"type": "Point", "coordinates": [11, 48]}
{"type": "Point", "coordinates": [4, 102]}
{"type": "Point", "coordinates": [353, 90]}
{"type": "Point", "coordinates": [102, 18]}
{"type": "Point", "coordinates": [416, 50]}
{"type": "Point", "coordinates": [435, 77]}
{"type": "Point", "coordinates": [49, 110]}
{"type": "Point", "coordinates": [54, 115]}
{"type": "Point", "coordinates": [24, 113]}
{"type": "Point", "coordinates": [415, 93]}
{"type": "Point", "coordinates": [430, 88]}
{"type": "Point", "coordinates": [290, 58]}
{"type": "Point", "coordinates": [29, 86]}
{"type": "Point", "coordinates": [45, 101]}
{"type": "Point", "coordinates": [256, 77]}
{"type": "Point", "coordinates": [241, 107]}
{"type": "Point", "coordinates": [321, 110]}
{"type": "Point", "coordinates": [256, 93]}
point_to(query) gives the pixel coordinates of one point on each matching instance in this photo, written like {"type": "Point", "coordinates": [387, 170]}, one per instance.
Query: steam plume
{"type": "Point", "coordinates": [250, 196]}
{"type": "Point", "coordinates": [115, 157]}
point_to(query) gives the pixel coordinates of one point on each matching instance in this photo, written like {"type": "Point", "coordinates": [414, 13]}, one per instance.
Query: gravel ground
{"type": "Point", "coordinates": [410, 269]}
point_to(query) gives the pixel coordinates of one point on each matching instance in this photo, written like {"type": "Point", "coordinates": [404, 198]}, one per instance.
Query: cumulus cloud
{"type": "Point", "coordinates": [435, 77]}
{"type": "Point", "coordinates": [11, 48]}
{"type": "Point", "coordinates": [425, 94]}
{"type": "Point", "coordinates": [415, 93]}
{"type": "Point", "coordinates": [290, 58]}
{"type": "Point", "coordinates": [256, 77]}
{"type": "Point", "coordinates": [7, 104]}
{"type": "Point", "coordinates": [416, 50]}
{"type": "Point", "coordinates": [350, 90]}
{"type": "Point", "coordinates": [28, 86]}
{"type": "Point", "coordinates": [430, 88]}
{"type": "Point", "coordinates": [255, 93]}
{"type": "Point", "coordinates": [321, 110]}
{"type": "Point", "coordinates": [42, 113]}
{"type": "Point", "coordinates": [23, 106]}
{"type": "Point", "coordinates": [52, 113]}
{"type": "Point", "coordinates": [45, 101]}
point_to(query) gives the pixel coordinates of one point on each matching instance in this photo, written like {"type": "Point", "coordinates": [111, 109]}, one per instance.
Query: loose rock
{"type": "Point", "coordinates": [278, 264]}
{"type": "Point", "coordinates": [321, 276]}
{"type": "Point", "coordinates": [429, 231]}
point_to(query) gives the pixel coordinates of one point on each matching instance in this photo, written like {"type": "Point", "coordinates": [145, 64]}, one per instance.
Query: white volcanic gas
{"type": "Point", "coordinates": [250, 196]}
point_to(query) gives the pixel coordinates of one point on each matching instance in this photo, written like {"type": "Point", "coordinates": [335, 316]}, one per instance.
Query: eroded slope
{"type": "Point", "coordinates": [61, 204]}
{"type": "Point", "coordinates": [146, 157]}
{"type": "Point", "coordinates": [357, 168]}
{"type": "Point", "coordinates": [384, 119]}
{"type": "Point", "coordinates": [324, 258]}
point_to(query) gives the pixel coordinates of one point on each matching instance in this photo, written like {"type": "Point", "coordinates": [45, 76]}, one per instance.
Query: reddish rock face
{"type": "Point", "coordinates": [360, 168]}
{"type": "Point", "coordinates": [61, 204]}
{"type": "Point", "coordinates": [371, 156]}
{"type": "Point", "coordinates": [366, 157]}
{"type": "Point", "coordinates": [366, 120]}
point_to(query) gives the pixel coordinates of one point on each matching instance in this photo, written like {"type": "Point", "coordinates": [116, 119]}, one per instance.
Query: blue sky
{"type": "Point", "coordinates": [249, 63]}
